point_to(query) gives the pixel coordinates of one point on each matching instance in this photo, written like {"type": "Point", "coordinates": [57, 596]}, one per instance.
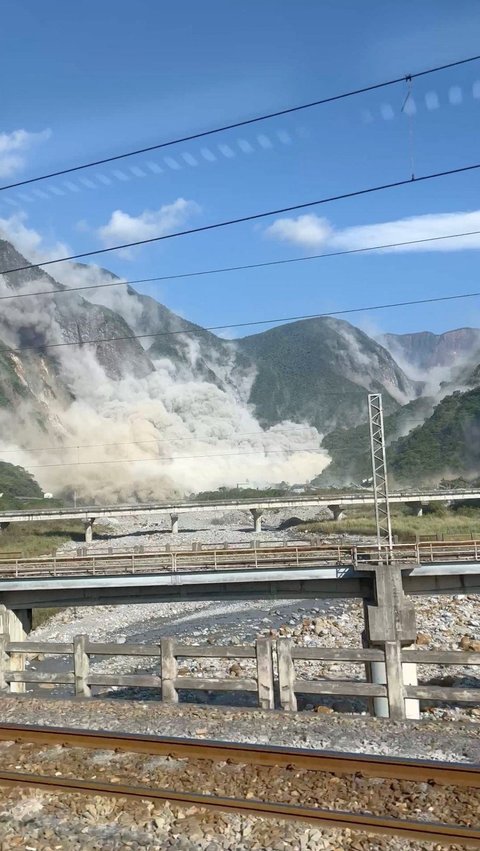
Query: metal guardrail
{"type": "Point", "coordinates": [252, 558]}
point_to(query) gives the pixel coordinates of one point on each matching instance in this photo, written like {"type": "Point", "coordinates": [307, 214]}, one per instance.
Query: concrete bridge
{"type": "Point", "coordinates": [278, 572]}
{"type": "Point", "coordinates": [335, 502]}
{"type": "Point", "coordinates": [386, 581]}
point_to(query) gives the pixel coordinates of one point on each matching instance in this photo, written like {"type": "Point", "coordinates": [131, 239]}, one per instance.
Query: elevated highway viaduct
{"type": "Point", "coordinates": [335, 502]}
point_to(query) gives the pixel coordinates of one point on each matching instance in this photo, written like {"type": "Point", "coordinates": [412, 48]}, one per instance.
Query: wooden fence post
{"type": "Point", "coordinates": [81, 666]}
{"type": "Point", "coordinates": [169, 670]}
{"type": "Point", "coordinates": [4, 639]}
{"type": "Point", "coordinates": [263, 650]}
{"type": "Point", "coordinates": [394, 678]}
{"type": "Point", "coordinates": [286, 674]}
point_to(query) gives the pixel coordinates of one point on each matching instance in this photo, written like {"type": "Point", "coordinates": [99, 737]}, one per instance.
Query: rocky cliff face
{"type": "Point", "coordinates": [191, 351]}
{"type": "Point", "coordinates": [56, 317]}
{"type": "Point", "coordinates": [425, 350]}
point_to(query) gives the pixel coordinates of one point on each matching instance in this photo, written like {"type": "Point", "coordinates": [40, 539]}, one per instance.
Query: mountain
{"type": "Point", "coordinates": [15, 482]}
{"type": "Point", "coordinates": [349, 448]}
{"type": "Point", "coordinates": [194, 353]}
{"type": "Point", "coordinates": [67, 318]}
{"type": "Point", "coordinates": [108, 393]}
{"type": "Point", "coordinates": [319, 371]}
{"type": "Point", "coordinates": [446, 444]}
{"type": "Point", "coordinates": [424, 350]}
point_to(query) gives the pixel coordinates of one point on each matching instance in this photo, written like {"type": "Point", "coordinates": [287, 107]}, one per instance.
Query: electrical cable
{"type": "Point", "coordinates": [250, 218]}
{"type": "Point", "coordinates": [241, 268]}
{"type": "Point", "coordinates": [259, 434]}
{"type": "Point", "coordinates": [210, 328]}
{"type": "Point", "coordinates": [287, 450]}
{"type": "Point", "coordinates": [243, 123]}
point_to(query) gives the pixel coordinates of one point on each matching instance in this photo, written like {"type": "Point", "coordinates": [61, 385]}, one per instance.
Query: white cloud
{"type": "Point", "coordinates": [314, 232]}
{"type": "Point", "coordinates": [309, 231]}
{"type": "Point", "coordinates": [13, 147]}
{"type": "Point", "coordinates": [28, 241]}
{"type": "Point", "coordinates": [123, 227]}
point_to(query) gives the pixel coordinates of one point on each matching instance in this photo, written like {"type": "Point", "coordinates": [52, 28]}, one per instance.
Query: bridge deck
{"type": "Point", "coordinates": [315, 573]}
{"type": "Point", "coordinates": [87, 513]}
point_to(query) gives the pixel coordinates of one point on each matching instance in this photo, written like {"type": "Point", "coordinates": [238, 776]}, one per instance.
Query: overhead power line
{"type": "Point", "coordinates": [209, 328]}
{"type": "Point", "coordinates": [77, 446]}
{"type": "Point", "coordinates": [287, 450]}
{"type": "Point", "coordinates": [250, 218]}
{"type": "Point", "coordinates": [241, 268]}
{"type": "Point", "coordinates": [243, 123]}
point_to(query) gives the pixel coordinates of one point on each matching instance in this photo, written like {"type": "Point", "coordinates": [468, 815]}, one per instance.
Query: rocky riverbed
{"type": "Point", "coordinates": [444, 732]}
{"type": "Point", "coordinates": [207, 527]}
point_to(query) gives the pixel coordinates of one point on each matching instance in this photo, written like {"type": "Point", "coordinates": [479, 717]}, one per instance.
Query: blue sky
{"type": "Point", "coordinates": [89, 80]}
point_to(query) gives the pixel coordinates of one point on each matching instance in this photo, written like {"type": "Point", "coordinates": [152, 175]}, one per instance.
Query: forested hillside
{"type": "Point", "coordinates": [447, 444]}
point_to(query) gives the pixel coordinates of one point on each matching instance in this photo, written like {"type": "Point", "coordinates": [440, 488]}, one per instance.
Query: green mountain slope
{"type": "Point", "coordinates": [447, 444]}
{"type": "Point", "coordinates": [349, 448]}
{"type": "Point", "coordinates": [16, 482]}
{"type": "Point", "coordinates": [319, 371]}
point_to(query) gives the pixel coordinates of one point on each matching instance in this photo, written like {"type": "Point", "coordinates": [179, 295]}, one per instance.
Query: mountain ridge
{"type": "Point", "coordinates": [171, 390]}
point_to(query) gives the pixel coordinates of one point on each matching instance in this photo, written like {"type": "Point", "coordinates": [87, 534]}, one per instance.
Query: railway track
{"type": "Point", "coordinates": [458, 775]}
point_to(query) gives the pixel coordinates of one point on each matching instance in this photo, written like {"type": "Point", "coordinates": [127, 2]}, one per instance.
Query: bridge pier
{"type": "Point", "coordinates": [257, 519]}
{"type": "Point", "coordinates": [89, 530]}
{"type": "Point", "coordinates": [337, 511]}
{"type": "Point", "coordinates": [390, 623]}
{"type": "Point", "coordinates": [417, 508]}
{"type": "Point", "coordinates": [174, 523]}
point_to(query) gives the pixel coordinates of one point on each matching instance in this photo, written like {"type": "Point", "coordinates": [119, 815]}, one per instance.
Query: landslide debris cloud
{"type": "Point", "coordinates": [176, 408]}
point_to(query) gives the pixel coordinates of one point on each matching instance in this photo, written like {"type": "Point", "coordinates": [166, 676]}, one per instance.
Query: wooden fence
{"type": "Point", "coordinates": [275, 670]}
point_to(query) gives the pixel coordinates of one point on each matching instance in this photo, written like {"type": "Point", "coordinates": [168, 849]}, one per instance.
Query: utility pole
{"type": "Point", "coordinates": [379, 472]}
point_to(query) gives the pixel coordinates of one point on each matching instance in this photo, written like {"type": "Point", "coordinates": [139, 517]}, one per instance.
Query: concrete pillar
{"type": "Point", "coordinates": [89, 530]}
{"type": "Point", "coordinates": [390, 624]}
{"type": "Point", "coordinates": [174, 522]}
{"type": "Point", "coordinates": [257, 519]}
{"type": "Point", "coordinates": [24, 617]}
{"type": "Point", "coordinates": [407, 671]}
{"type": "Point", "coordinates": [15, 626]}
{"type": "Point", "coordinates": [417, 508]}
{"type": "Point", "coordinates": [81, 666]}
{"type": "Point", "coordinates": [337, 511]}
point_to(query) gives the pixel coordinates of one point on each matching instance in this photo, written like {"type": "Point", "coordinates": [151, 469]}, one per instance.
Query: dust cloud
{"type": "Point", "coordinates": [157, 437]}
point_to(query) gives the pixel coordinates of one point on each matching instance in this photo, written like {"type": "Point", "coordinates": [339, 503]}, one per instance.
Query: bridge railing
{"type": "Point", "coordinates": [328, 555]}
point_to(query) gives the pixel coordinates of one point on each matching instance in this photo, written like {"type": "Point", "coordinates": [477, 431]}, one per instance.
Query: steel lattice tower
{"type": "Point", "coordinates": [379, 471]}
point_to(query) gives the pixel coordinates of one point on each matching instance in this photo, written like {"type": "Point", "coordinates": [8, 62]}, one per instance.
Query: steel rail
{"type": "Point", "coordinates": [430, 831]}
{"type": "Point", "coordinates": [456, 774]}
{"type": "Point", "coordinates": [393, 768]}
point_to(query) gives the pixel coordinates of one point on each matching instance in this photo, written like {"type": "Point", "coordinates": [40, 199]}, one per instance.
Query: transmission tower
{"type": "Point", "coordinates": [379, 471]}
